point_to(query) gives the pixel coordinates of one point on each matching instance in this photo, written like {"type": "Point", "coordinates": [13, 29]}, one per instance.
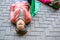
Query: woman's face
{"type": "Point", "coordinates": [20, 24]}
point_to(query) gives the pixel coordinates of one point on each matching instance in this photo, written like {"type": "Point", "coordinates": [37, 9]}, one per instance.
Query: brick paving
{"type": "Point", "coordinates": [44, 26]}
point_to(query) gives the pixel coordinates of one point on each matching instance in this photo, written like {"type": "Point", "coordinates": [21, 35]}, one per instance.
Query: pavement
{"type": "Point", "coordinates": [44, 26]}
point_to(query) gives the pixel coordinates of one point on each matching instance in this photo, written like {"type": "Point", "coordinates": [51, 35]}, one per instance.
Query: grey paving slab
{"type": "Point", "coordinates": [44, 26]}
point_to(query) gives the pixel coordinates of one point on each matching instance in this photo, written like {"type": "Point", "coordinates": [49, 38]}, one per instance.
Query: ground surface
{"type": "Point", "coordinates": [44, 26]}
